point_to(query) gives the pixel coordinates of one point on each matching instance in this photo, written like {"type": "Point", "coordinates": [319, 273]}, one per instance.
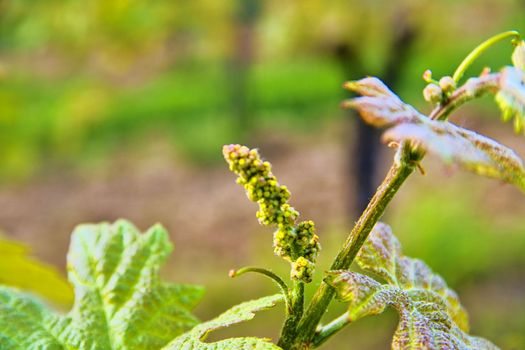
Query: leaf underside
{"type": "Point", "coordinates": [194, 339]}
{"type": "Point", "coordinates": [431, 316]}
{"type": "Point", "coordinates": [120, 301]}
{"type": "Point", "coordinates": [380, 107]}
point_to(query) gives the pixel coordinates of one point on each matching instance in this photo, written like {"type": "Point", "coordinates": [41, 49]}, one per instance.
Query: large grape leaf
{"type": "Point", "coordinates": [120, 301]}
{"type": "Point", "coordinates": [194, 339]}
{"type": "Point", "coordinates": [431, 316]}
{"type": "Point", "coordinates": [25, 324]}
{"type": "Point", "coordinates": [18, 269]}
{"type": "Point", "coordinates": [380, 107]}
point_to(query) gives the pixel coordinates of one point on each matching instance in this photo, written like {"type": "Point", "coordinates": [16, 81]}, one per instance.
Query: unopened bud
{"type": "Point", "coordinates": [433, 93]}
{"type": "Point", "coordinates": [447, 84]}
{"type": "Point", "coordinates": [485, 72]}
{"type": "Point", "coordinates": [427, 76]}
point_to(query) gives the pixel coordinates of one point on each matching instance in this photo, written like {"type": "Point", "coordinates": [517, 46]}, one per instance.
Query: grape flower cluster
{"type": "Point", "coordinates": [294, 241]}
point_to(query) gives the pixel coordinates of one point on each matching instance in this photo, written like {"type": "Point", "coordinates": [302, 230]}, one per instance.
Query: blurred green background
{"type": "Point", "coordinates": [119, 108]}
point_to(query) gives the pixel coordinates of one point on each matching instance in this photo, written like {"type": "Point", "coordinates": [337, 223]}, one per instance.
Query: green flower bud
{"type": "Point", "coordinates": [283, 243]}
{"type": "Point", "coordinates": [303, 270]}
{"type": "Point", "coordinates": [296, 243]}
{"type": "Point", "coordinates": [307, 240]}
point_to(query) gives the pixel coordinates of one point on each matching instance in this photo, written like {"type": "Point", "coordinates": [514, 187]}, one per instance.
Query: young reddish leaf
{"type": "Point", "coordinates": [369, 86]}
{"type": "Point", "coordinates": [365, 295]}
{"type": "Point", "coordinates": [381, 107]}
{"type": "Point", "coordinates": [466, 148]}
{"type": "Point", "coordinates": [431, 316]}
{"type": "Point", "coordinates": [511, 96]}
{"type": "Point", "coordinates": [381, 254]}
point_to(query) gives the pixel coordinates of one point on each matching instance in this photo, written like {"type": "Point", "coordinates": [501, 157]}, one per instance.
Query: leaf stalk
{"type": "Point", "coordinates": [330, 329]}
{"type": "Point", "coordinates": [480, 49]}
{"type": "Point", "coordinates": [265, 272]}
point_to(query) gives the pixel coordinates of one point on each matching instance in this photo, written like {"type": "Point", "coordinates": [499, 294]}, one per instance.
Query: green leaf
{"type": "Point", "coordinates": [479, 154]}
{"type": "Point", "coordinates": [431, 316]}
{"type": "Point", "coordinates": [511, 96]}
{"type": "Point", "coordinates": [194, 339]}
{"type": "Point", "coordinates": [120, 301]}
{"type": "Point", "coordinates": [18, 269]}
{"type": "Point", "coordinates": [25, 324]}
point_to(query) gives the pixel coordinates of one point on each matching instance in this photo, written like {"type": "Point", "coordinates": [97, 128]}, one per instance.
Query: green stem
{"type": "Point", "coordinates": [278, 280]}
{"type": "Point", "coordinates": [472, 89]}
{"type": "Point", "coordinates": [330, 329]}
{"type": "Point", "coordinates": [406, 162]}
{"type": "Point", "coordinates": [467, 62]}
{"type": "Point", "coordinates": [294, 314]}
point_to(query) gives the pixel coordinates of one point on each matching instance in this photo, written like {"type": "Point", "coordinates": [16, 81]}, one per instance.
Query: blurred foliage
{"type": "Point", "coordinates": [81, 81]}
{"type": "Point", "coordinates": [481, 255]}
{"type": "Point", "coordinates": [19, 270]}
{"type": "Point", "coordinates": [451, 224]}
